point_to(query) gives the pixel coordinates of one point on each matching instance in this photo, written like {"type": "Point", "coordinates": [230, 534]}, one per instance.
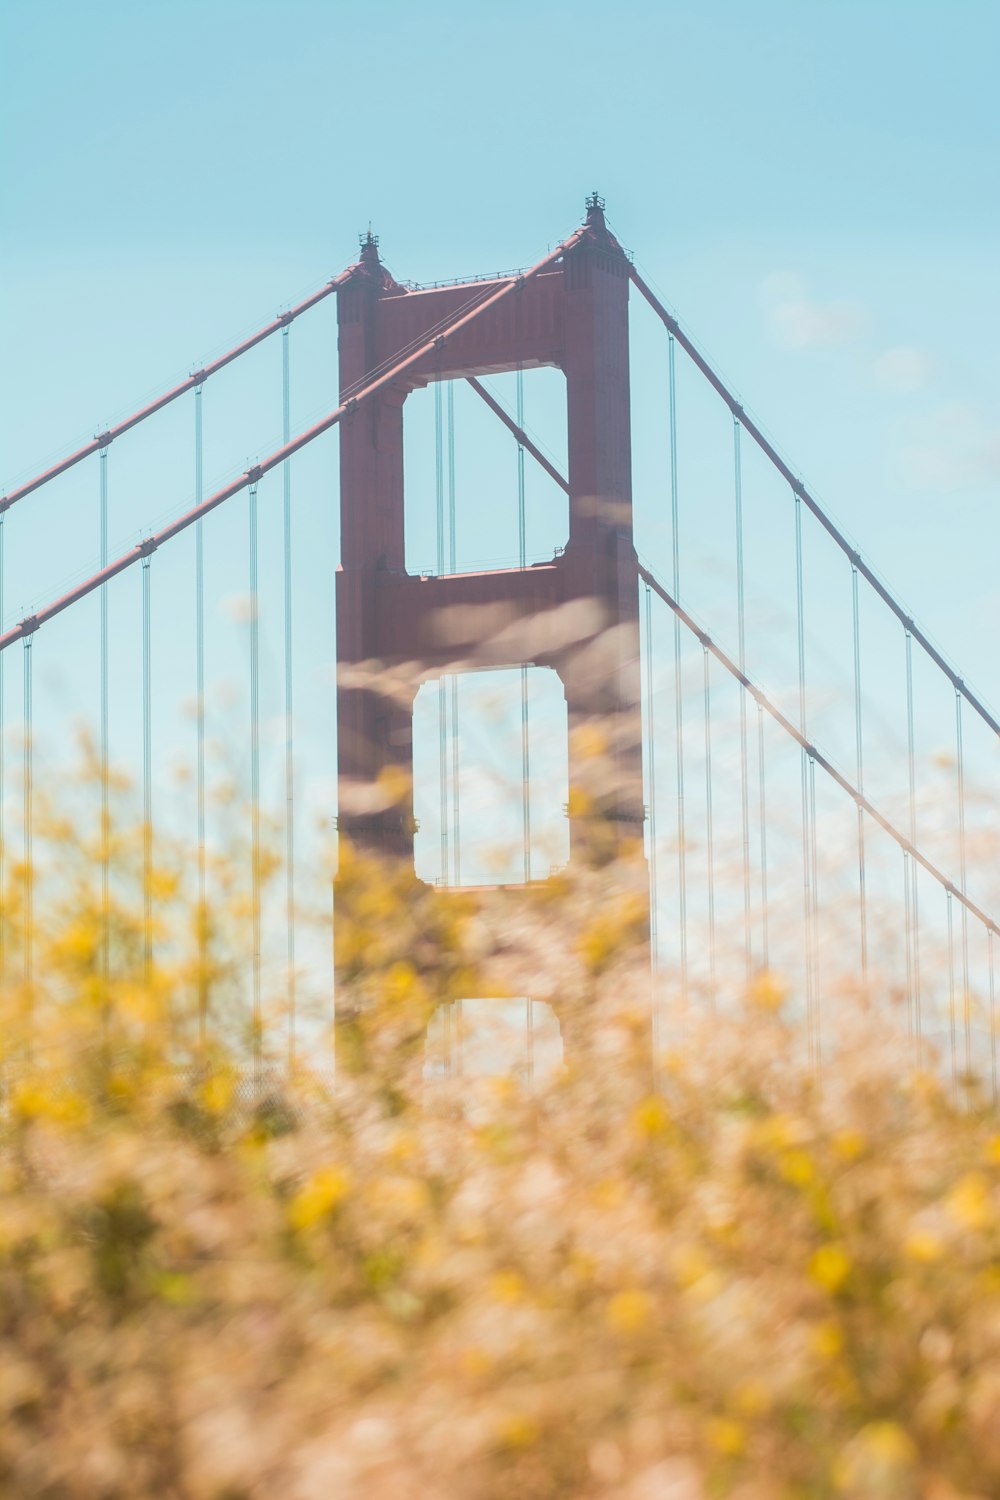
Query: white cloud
{"type": "Point", "coordinates": [954, 447]}
{"type": "Point", "coordinates": [903, 370]}
{"type": "Point", "coordinates": [798, 321]}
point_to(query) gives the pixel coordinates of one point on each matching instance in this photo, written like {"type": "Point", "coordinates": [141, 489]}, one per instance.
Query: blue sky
{"type": "Point", "coordinates": [812, 187]}
{"type": "Point", "coordinates": [172, 172]}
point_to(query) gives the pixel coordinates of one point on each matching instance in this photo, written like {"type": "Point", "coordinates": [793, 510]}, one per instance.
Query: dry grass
{"type": "Point", "coordinates": [741, 1281]}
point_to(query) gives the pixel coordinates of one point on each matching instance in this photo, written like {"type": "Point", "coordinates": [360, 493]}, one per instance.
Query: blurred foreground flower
{"type": "Point", "coordinates": [221, 1280]}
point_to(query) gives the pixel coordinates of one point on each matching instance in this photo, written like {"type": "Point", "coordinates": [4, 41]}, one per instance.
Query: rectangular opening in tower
{"type": "Point", "coordinates": [490, 777]}
{"type": "Point", "coordinates": [468, 482]}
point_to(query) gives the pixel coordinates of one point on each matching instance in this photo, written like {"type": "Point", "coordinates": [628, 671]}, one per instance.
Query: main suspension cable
{"type": "Point", "coordinates": [770, 452]}
{"type": "Point", "coordinates": [781, 719]}
{"type": "Point", "coordinates": [346, 408]}
{"type": "Point", "coordinates": [522, 437]}
{"type": "Point", "coordinates": [197, 378]}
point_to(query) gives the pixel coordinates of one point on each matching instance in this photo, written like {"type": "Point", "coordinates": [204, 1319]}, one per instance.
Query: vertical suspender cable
{"type": "Point", "coordinates": [453, 568]}
{"type": "Point", "coordinates": [147, 777]}
{"type": "Point", "coordinates": [993, 1015]}
{"type": "Point", "coordinates": [859, 766]}
{"type": "Point", "coordinates": [442, 683]}
{"type": "Point", "coordinates": [741, 635]}
{"type": "Point", "coordinates": [962, 868]}
{"type": "Point", "coordinates": [678, 684]}
{"type": "Point", "coordinates": [286, 430]}
{"type": "Point", "coordinates": [3, 831]}
{"type": "Point", "coordinates": [255, 872]}
{"type": "Point", "coordinates": [455, 810]}
{"type": "Point", "coordinates": [804, 755]}
{"type": "Point", "coordinates": [522, 558]}
{"type": "Point", "coordinates": [951, 989]}
{"type": "Point", "coordinates": [709, 829]}
{"type": "Point", "coordinates": [765, 955]}
{"type": "Point", "coordinates": [907, 882]}
{"type": "Point", "coordinates": [104, 749]}
{"type": "Point", "coordinates": [651, 780]}
{"type": "Point", "coordinates": [814, 916]}
{"type": "Point", "coordinates": [199, 616]}
{"type": "Point", "coordinates": [29, 873]}
{"type": "Point", "coordinates": [914, 890]}
{"type": "Point", "coordinates": [908, 936]}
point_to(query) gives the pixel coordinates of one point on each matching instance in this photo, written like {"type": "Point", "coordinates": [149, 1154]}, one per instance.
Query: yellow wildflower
{"type": "Point", "coordinates": [830, 1266]}
{"type": "Point", "coordinates": [520, 1430]}
{"type": "Point", "coordinates": [651, 1117]}
{"type": "Point", "coordinates": [507, 1286]}
{"type": "Point", "coordinates": [969, 1203]}
{"type": "Point", "coordinates": [726, 1436]}
{"type": "Point", "coordinates": [752, 1398]}
{"type": "Point", "coordinates": [629, 1311]}
{"type": "Point", "coordinates": [879, 1460]}
{"type": "Point", "coordinates": [474, 1362]}
{"type": "Point", "coordinates": [325, 1189]}
{"type": "Point", "coordinates": [767, 992]}
{"type": "Point", "coordinates": [849, 1144]}
{"type": "Point", "coordinates": [796, 1167]}
{"type": "Point", "coordinates": [921, 1245]}
{"type": "Point", "coordinates": [217, 1092]}
{"type": "Point", "coordinates": [827, 1339]}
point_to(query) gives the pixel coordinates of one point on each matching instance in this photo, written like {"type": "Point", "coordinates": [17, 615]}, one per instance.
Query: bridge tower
{"type": "Point", "coordinates": [573, 316]}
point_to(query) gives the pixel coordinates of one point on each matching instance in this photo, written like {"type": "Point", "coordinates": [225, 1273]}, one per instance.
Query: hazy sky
{"type": "Point", "coordinates": [812, 187]}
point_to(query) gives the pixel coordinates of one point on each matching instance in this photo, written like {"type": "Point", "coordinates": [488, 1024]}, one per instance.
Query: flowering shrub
{"type": "Point", "coordinates": [727, 1276]}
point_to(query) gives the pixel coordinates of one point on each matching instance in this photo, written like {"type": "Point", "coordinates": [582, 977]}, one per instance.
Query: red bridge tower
{"type": "Point", "coordinates": [573, 315]}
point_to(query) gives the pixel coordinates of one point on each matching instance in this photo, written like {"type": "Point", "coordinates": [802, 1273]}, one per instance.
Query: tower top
{"type": "Point", "coordinates": [369, 247]}
{"type": "Point", "coordinates": [595, 210]}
